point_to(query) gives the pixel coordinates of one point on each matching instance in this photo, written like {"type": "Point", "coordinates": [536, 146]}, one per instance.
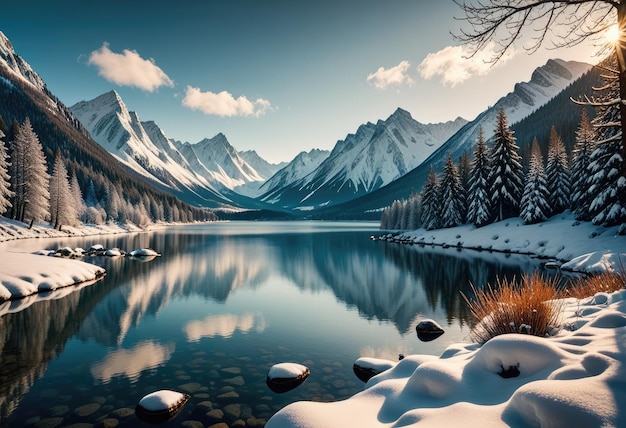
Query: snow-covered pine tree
{"type": "Point", "coordinates": [404, 215]}
{"type": "Point", "coordinates": [451, 194]}
{"type": "Point", "coordinates": [5, 183]}
{"type": "Point", "coordinates": [506, 179]}
{"type": "Point", "coordinates": [534, 205]}
{"type": "Point", "coordinates": [465, 168]}
{"type": "Point", "coordinates": [607, 182]}
{"type": "Point", "coordinates": [478, 193]}
{"type": "Point", "coordinates": [430, 201]}
{"type": "Point", "coordinates": [62, 204]}
{"type": "Point", "coordinates": [557, 174]}
{"type": "Point", "coordinates": [581, 158]}
{"type": "Point", "coordinates": [29, 176]}
{"type": "Point", "coordinates": [77, 196]}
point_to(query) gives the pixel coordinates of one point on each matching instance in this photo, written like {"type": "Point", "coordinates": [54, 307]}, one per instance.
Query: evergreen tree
{"type": "Point", "coordinates": [77, 197]}
{"type": "Point", "coordinates": [606, 183]}
{"type": "Point", "coordinates": [5, 183]}
{"type": "Point", "coordinates": [29, 176]}
{"type": "Point", "coordinates": [506, 175]}
{"type": "Point", "coordinates": [430, 201]}
{"type": "Point", "coordinates": [451, 194]}
{"type": "Point", "coordinates": [557, 174]}
{"type": "Point", "coordinates": [585, 138]}
{"type": "Point", "coordinates": [465, 168]}
{"type": "Point", "coordinates": [478, 193]}
{"type": "Point", "coordinates": [62, 205]}
{"type": "Point", "coordinates": [535, 206]}
{"type": "Point", "coordinates": [414, 212]}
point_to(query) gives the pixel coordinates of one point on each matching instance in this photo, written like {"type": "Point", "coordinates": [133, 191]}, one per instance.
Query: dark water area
{"type": "Point", "coordinates": [224, 303]}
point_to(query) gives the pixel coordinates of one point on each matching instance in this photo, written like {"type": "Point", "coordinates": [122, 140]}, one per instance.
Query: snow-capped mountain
{"type": "Point", "coordinates": [301, 166]}
{"type": "Point", "coordinates": [208, 169]}
{"type": "Point", "coordinates": [372, 157]}
{"type": "Point", "coordinates": [221, 161]}
{"type": "Point", "coordinates": [264, 168]}
{"type": "Point", "coordinates": [545, 83]}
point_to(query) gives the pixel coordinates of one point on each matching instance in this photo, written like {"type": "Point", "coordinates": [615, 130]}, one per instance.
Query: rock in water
{"type": "Point", "coordinates": [428, 330]}
{"type": "Point", "coordinates": [160, 406]}
{"type": "Point", "coordinates": [366, 368]}
{"type": "Point", "coordinates": [144, 252]}
{"type": "Point", "coordinates": [284, 377]}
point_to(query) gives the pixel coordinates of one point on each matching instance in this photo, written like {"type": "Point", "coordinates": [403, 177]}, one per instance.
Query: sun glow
{"type": "Point", "coordinates": [612, 35]}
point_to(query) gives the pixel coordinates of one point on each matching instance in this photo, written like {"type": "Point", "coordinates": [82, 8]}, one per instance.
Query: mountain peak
{"type": "Point", "coordinates": [16, 64]}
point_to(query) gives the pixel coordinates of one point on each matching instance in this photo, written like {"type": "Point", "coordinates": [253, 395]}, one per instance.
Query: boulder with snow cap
{"type": "Point", "coordinates": [143, 252]}
{"type": "Point", "coordinates": [428, 330]}
{"type": "Point", "coordinates": [284, 377]}
{"type": "Point", "coordinates": [366, 368]}
{"type": "Point", "coordinates": [160, 406]}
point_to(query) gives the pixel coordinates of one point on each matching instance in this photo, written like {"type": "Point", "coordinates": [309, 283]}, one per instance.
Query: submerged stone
{"type": "Point", "coordinates": [428, 330]}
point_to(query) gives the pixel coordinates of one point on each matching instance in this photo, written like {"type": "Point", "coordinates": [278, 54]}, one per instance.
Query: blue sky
{"type": "Point", "coordinates": [276, 76]}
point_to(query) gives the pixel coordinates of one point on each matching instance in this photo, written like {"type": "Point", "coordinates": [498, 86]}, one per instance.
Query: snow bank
{"type": "Point", "coordinates": [23, 274]}
{"type": "Point", "coordinates": [572, 379]}
{"type": "Point", "coordinates": [561, 237]}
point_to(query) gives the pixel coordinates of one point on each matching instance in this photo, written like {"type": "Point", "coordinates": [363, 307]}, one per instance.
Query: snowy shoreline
{"type": "Point", "coordinates": [576, 246]}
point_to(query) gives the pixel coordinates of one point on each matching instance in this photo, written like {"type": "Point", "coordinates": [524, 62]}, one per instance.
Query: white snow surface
{"type": "Point", "coordinates": [572, 379]}
{"type": "Point", "coordinates": [377, 364]}
{"type": "Point", "coordinates": [24, 274]}
{"type": "Point", "coordinates": [286, 371]}
{"type": "Point", "coordinates": [561, 237]}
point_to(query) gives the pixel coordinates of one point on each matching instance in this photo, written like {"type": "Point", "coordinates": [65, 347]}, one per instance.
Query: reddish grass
{"type": "Point", "coordinates": [527, 306]}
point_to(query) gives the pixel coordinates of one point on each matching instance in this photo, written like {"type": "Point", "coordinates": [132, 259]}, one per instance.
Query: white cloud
{"type": "Point", "coordinates": [384, 78]}
{"type": "Point", "coordinates": [224, 103]}
{"type": "Point", "coordinates": [129, 69]}
{"type": "Point", "coordinates": [454, 66]}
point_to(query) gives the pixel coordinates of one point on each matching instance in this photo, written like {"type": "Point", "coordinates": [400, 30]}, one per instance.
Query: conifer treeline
{"type": "Point", "coordinates": [589, 182]}
{"type": "Point", "coordinates": [30, 193]}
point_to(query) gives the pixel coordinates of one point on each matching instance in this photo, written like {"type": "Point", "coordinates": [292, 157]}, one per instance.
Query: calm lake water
{"type": "Point", "coordinates": [223, 304]}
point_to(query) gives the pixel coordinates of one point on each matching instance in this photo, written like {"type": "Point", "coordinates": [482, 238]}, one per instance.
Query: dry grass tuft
{"type": "Point", "coordinates": [527, 306]}
{"type": "Point", "coordinates": [586, 287]}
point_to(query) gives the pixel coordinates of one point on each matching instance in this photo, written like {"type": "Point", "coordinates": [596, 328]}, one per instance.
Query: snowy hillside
{"type": "Point", "coordinates": [371, 158]}
{"type": "Point", "coordinates": [264, 168]}
{"type": "Point", "coordinates": [17, 66]}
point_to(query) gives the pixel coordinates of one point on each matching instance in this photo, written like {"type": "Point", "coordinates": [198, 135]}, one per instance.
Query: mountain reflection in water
{"type": "Point", "coordinates": [248, 292]}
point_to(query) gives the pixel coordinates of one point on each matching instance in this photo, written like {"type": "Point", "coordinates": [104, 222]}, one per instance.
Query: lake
{"type": "Point", "coordinates": [224, 303]}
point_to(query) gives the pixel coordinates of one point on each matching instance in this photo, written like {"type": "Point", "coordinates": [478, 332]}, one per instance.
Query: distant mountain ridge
{"type": "Point", "coordinates": [364, 161]}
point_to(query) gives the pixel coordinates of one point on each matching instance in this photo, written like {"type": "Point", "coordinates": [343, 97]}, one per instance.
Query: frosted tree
{"type": "Point", "coordinates": [506, 175]}
{"type": "Point", "coordinates": [534, 205]}
{"type": "Point", "coordinates": [29, 173]}
{"type": "Point", "coordinates": [451, 195]}
{"type": "Point", "coordinates": [557, 174]}
{"type": "Point", "coordinates": [113, 203]}
{"type": "Point", "coordinates": [430, 201]}
{"type": "Point", "coordinates": [77, 196]}
{"type": "Point", "coordinates": [5, 183]}
{"type": "Point", "coordinates": [62, 203]}
{"type": "Point", "coordinates": [607, 185]}
{"type": "Point", "coordinates": [581, 158]}
{"type": "Point", "coordinates": [479, 211]}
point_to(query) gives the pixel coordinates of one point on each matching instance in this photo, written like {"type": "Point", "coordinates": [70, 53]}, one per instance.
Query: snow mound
{"type": "Point", "coordinates": [571, 379]}
{"type": "Point", "coordinates": [43, 274]}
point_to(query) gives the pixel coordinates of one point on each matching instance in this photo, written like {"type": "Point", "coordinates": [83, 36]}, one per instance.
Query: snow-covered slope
{"type": "Point", "coordinates": [264, 168]}
{"type": "Point", "coordinates": [372, 157]}
{"type": "Point", "coordinates": [16, 64]}
{"type": "Point", "coordinates": [292, 174]}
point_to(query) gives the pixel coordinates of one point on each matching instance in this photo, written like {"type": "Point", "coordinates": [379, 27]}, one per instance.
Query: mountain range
{"type": "Point", "coordinates": [212, 173]}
